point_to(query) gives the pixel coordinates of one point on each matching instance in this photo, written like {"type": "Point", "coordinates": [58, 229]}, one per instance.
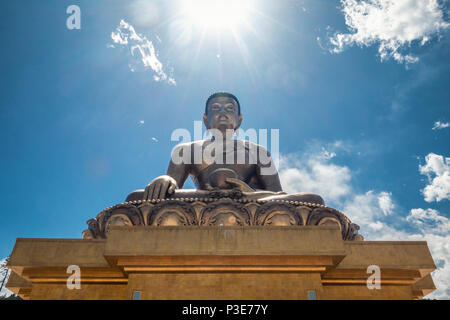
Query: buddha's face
{"type": "Point", "coordinates": [223, 114]}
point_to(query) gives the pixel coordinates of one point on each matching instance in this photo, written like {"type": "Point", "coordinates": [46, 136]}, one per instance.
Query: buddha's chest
{"type": "Point", "coordinates": [244, 172]}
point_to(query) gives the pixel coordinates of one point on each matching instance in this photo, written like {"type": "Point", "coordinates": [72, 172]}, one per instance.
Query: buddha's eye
{"type": "Point", "coordinates": [215, 107]}
{"type": "Point", "coordinates": [230, 108]}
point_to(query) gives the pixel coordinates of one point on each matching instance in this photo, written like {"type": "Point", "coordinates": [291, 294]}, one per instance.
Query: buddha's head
{"type": "Point", "coordinates": [222, 112]}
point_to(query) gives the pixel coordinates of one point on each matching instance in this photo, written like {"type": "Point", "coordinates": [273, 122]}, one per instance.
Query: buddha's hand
{"type": "Point", "coordinates": [160, 187]}
{"type": "Point", "coordinates": [240, 184]}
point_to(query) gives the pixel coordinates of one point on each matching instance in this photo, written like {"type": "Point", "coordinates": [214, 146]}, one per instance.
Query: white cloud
{"type": "Point", "coordinates": [437, 170]}
{"type": "Point", "coordinates": [390, 24]}
{"type": "Point", "coordinates": [372, 211]}
{"type": "Point", "coordinates": [368, 209]}
{"type": "Point", "coordinates": [430, 221]}
{"type": "Point", "coordinates": [142, 51]}
{"type": "Point", "coordinates": [154, 139]}
{"type": "Point", "coordinates": [440, 125]}
{"type": "Point", "coordinates": [327, 154]}
{"type": "Point", "coordinates": [315, 175]}
{"type": "Point", "coordinates": [385, 202]}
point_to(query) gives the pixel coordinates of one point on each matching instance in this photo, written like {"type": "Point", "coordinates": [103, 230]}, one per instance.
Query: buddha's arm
{"type": "Point", "coordinates": [181, 163]}
{"type": "Point", "coordinates": [267, 172]}
{"type": "Point", "coordinates": [177, 174]}
{"type": "Point", "coordinates": [271, 182]}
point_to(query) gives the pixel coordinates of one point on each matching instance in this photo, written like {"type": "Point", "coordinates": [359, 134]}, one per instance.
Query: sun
{"type": "Point", "coordinates": [216, 14]}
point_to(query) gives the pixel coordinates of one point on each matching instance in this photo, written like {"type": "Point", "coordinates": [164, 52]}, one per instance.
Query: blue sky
{"type": "Point", "coordinates": [84, 122]}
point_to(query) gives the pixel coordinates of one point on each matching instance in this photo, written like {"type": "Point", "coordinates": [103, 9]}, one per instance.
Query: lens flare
{"type": "Point", "coordinates": [217, 14]}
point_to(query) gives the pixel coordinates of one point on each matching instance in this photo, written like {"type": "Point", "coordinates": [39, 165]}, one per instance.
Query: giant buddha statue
{"type": "Point", "coordinates": [236, 184]}
{"type": "Point", "coordinates": [255, 175]}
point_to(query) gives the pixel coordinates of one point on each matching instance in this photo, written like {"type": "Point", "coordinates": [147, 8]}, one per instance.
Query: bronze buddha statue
{"type": "Point", "coordinates": [220, 163]}
{"type": "Point", "coordinates": [236, 181]}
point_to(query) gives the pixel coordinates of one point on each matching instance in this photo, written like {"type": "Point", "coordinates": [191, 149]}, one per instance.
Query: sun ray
{"type": "Point", "coordinates": [219, 50]}
{"type": "Point", "coordinates": [243, 50]}
{"type": "Point", "coordinates": [197, 52]}
{"type": "Point", "coordinates": [272, 20]}
{"type": "Point", "coordinates": [210, 21]}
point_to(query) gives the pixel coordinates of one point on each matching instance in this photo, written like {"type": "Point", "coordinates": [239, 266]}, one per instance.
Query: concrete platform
{"type": "Point", "coordinates": [251, 262]}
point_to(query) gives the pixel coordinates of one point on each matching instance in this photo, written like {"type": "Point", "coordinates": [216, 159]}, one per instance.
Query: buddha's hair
{"type": "Point", "coordinates": [222, 94]}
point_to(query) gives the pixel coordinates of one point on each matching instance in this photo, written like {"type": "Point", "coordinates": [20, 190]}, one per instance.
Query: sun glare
{"type": "Point", "coordinates": [217, 14]}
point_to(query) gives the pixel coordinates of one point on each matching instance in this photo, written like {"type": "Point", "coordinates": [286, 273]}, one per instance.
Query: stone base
{"type": "Point", "coordinates": [252, 262]}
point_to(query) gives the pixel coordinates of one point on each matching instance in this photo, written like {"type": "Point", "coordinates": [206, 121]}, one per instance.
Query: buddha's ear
{"type": "Point", "coordinates": [238, 122]}
{"type": "Point", "coordinates": [205, 121]}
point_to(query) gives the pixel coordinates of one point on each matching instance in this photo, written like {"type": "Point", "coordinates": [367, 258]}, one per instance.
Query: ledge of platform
{"type": "Point", "coordinates": [141, 252]}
